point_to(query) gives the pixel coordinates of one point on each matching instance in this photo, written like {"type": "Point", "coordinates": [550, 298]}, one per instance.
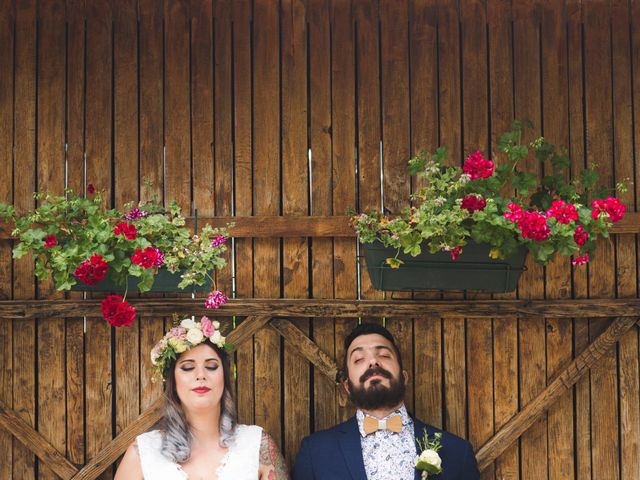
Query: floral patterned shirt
{"type": "Point", "coordinates": [388, 455]}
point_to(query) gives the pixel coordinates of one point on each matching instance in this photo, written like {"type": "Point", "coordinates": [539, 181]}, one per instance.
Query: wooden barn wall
{"type": "Point", "coordinates": [297, 107]}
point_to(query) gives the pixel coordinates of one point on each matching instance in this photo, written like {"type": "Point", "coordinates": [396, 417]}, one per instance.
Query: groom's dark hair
{"type": "Point", "coordinates": [369, 329]}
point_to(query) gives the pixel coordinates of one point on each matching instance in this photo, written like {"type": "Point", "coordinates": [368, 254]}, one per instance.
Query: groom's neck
{"type": "Point", "coordinates": [380, 413]}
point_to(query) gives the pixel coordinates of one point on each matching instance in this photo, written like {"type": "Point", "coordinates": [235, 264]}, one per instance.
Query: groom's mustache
{"type": "Point", "coordinates": [375, 371]}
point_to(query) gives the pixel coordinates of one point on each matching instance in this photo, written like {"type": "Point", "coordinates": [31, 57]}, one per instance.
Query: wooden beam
{"type": "Point", "coordinates": [307, 348]}
{"type": "Point", "coordinates": [36, 443]}
{"type": "Point", "coordinates": [118, 445]}
{"type": "Point", "coordinates": [275, 307]}
{"type": "Point", "coordinates": [304, 226]}
{"type": "Point", "coordinates": [575, 370]}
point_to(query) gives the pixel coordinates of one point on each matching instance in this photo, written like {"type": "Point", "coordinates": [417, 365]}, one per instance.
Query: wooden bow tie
{"type": "Point", "coordinates": [393, 423]}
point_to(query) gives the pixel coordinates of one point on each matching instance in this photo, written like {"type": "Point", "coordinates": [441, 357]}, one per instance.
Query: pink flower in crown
{"type": "Point", "coordinates": [215, 299]}
{"type": "Point", "coordinates": [177, 332]}
{"type": "Point", "coordinates": [219, 240]}
{"type": "Point", "coordinates": [207, 326]}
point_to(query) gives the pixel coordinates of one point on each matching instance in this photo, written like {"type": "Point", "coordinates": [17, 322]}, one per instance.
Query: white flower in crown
{"type": "Point", "coordinates": [195, 336]}
{"type": "Point", "coordinates": [217, 338]}
{"type": "Point", "coordinates": [188, 323]}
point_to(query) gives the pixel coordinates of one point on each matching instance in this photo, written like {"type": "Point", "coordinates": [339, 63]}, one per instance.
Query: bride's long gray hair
{"type": "Point", "coordinates": [176, 435]}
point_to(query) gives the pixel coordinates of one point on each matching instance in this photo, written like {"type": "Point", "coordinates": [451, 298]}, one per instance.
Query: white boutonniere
{"type": "Point", "coordinates": [429, 461]}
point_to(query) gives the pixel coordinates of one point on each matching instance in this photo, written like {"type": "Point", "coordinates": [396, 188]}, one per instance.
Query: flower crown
{"type": "Point", "coordinates": [183, 337]}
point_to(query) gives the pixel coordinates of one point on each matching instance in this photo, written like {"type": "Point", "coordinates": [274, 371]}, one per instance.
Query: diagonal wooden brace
{"type": "Point", "coordinates": [574, 371]}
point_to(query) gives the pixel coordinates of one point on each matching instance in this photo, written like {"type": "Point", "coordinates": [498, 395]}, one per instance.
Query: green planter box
{"type": "Point", "coordinates": [474, 270]}
{"type": "Point", "coordinates": [165, 281]}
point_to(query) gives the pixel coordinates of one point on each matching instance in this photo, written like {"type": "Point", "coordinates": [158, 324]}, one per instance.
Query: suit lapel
{"type": "Point", "coordinates": [352, 449]}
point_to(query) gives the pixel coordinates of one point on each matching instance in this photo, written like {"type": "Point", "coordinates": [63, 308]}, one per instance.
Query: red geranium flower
{"type": "Point", "coordinates": [50, 241]}
{"type": "Point", "coordinates": [473, 203]}
{"type": "Point", "coordinates": [563, 212]}
{"type": "Point", "coordinates": [477, 167]}
{"type": "Point", "coordinates": [93, 270]}
{"type": "Point", "coordinates": [581, 260]}
{"type": "Point", "coordinates": [455, 253]}
{"type": "Point", "coordinates": [117, 311]}
{"type": "Point", "coordinates": [515, 212]}
{"type": "Point", "coordinates": [148, 258]}
{"type": "Point", "coordinates": [534, 225]}
{"type": "Point", "coordinates": [91, 189]}
{"type": "Point", "coordinates": [612, 206]}
{"type": "Point", "coordinates": [126, 229]}
{"type": "Point", "coordinates": [580, 236]}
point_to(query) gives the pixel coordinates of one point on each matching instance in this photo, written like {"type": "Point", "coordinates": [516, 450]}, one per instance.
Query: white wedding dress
{"type": "Point", "coordinates": [241, 462]}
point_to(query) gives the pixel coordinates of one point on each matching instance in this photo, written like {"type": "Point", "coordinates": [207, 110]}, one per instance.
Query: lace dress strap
{"type": "Point", "coordinates": [155, 465]}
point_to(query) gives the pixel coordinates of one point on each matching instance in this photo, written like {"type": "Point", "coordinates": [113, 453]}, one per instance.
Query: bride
{"type": "Point", "coordinates": [199, 438]}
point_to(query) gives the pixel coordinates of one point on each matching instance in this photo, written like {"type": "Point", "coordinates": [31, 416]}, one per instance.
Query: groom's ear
{"type": "Point", "coordinates": [405, 375]}
{"type": "Point", "coordinates": [345, 385]}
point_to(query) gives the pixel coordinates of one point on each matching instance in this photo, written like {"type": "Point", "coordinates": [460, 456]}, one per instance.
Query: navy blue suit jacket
{"type": "Point", "coordinates": [336, 454]}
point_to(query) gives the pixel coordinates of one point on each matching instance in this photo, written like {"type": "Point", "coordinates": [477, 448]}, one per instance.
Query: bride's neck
{"type": "Point", "coordinates": [204, 426]}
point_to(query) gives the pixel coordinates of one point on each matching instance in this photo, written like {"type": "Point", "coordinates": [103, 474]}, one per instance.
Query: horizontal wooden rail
{"type": "Point", "coordinates": [304, 226]}
{"type": "Point", "coordinates": [275, 307]}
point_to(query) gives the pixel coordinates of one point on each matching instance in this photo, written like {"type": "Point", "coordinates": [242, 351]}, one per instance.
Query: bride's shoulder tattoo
{"type": "Point", "coordinates": [271, 458]}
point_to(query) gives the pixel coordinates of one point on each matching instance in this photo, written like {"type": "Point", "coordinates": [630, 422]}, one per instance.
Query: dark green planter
{"type": "Point", "coordinates": [164, 281]}
{"type": "Point", "coordinates": [474, 270]}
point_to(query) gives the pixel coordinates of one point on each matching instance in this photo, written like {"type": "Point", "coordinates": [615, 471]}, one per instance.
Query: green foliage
{"type": "Point", "coordinates": [84, 227]}
{"type": "Point", "coordinates": [437, 221]}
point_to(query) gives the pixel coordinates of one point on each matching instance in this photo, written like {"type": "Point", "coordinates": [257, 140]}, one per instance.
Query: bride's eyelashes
{"type": "Point", "coordinates": [211, 368]}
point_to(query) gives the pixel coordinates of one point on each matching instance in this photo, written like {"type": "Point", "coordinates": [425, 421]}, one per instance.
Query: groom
{"type": "Point", "coordinates": [379, 442]}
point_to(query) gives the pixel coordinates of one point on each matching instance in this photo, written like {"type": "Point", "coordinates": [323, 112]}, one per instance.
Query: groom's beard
{"type": "Point", "coordinates": [376, 395]}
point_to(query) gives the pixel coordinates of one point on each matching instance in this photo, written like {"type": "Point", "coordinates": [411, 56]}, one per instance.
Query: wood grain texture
{"type": "Point", "coordinates": [53, 462]}
{"type": "Point", "coordinates": [99, 172]}
{"type": "Point", "coordinates": [295, 200]}
{"type": "Point", "coordinates": [24, 184]}
{"type": "Point", "coordinates": [127, 341]}
{"type": "Point", "coordinates": [267, 192]}
{"type": "Point", "coordinates": [241, 16]}
{"type": "Point", "coordinates": [320, 128]}
{"type": "Point", "coordinates": [50, 175]}
{"type": "Point", "coordinates": [7, 22]}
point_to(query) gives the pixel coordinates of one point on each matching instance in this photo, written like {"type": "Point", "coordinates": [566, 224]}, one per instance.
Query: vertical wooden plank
{"type": "Point", "coordinates": [151, 140]}
{"type": "Point", "coordinates": [75, 180]}
{"type": "Point", "coordinates": [325, 413]}
{"type": "Point", "coordinates": [99, 117]}
{"type": "Point", "coordinates": [24, 168]}
{"type": "Point", "coordinates": [555, 120]}
{"type": "Point", "coordinates": [396, 140]}
{"type": "Point", "coordinates": [222, 197]}
{"type": "Point", "coordinates": [626, 261]}
{"type": "Point", "coordinates": [242, 17]}
{"type": "Point", "coordinates": [50, 178]}
{"type": "Point", "coordinates": [475, 105]}
{"type": "Point", "coordinates": [7, 22]}
{"type": "Point", "coordinates": [127, 340]}
{"type": "Point", "coordinates": [343, 163]}
{"type": "Point", "coordinates": [367, 51]}
{"type": "Point", "coordinates": [295, 201]}
{"type": "Point", "coordinates": [450, 135]}
{"type": "Point", "coordinates": [599, 118]}
{"type": "Point", "coordinates": [266, 191]}
{"type": "Point", "coordinates": [176, 99]}
{"type": "Point", "coordinates": [577, 155]}
{"type": "Point", "coordinates": [202, 116]}
{"type": "Point", "coordinates": [427, 339]}
{"type": "Point", "coordinates": [505, 330]}
{"type": "Point", "coordinates": [533, 444]}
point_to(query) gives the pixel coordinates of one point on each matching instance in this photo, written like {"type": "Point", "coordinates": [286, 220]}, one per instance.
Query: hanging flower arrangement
{"type": "Point", "coordinates": [502, 206]}
{"type": "Point", "coordinates": [77, 241]}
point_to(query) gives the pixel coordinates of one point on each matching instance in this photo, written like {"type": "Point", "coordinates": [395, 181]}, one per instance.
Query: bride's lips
{"type": "Point", "coordinates": [201, 389]}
